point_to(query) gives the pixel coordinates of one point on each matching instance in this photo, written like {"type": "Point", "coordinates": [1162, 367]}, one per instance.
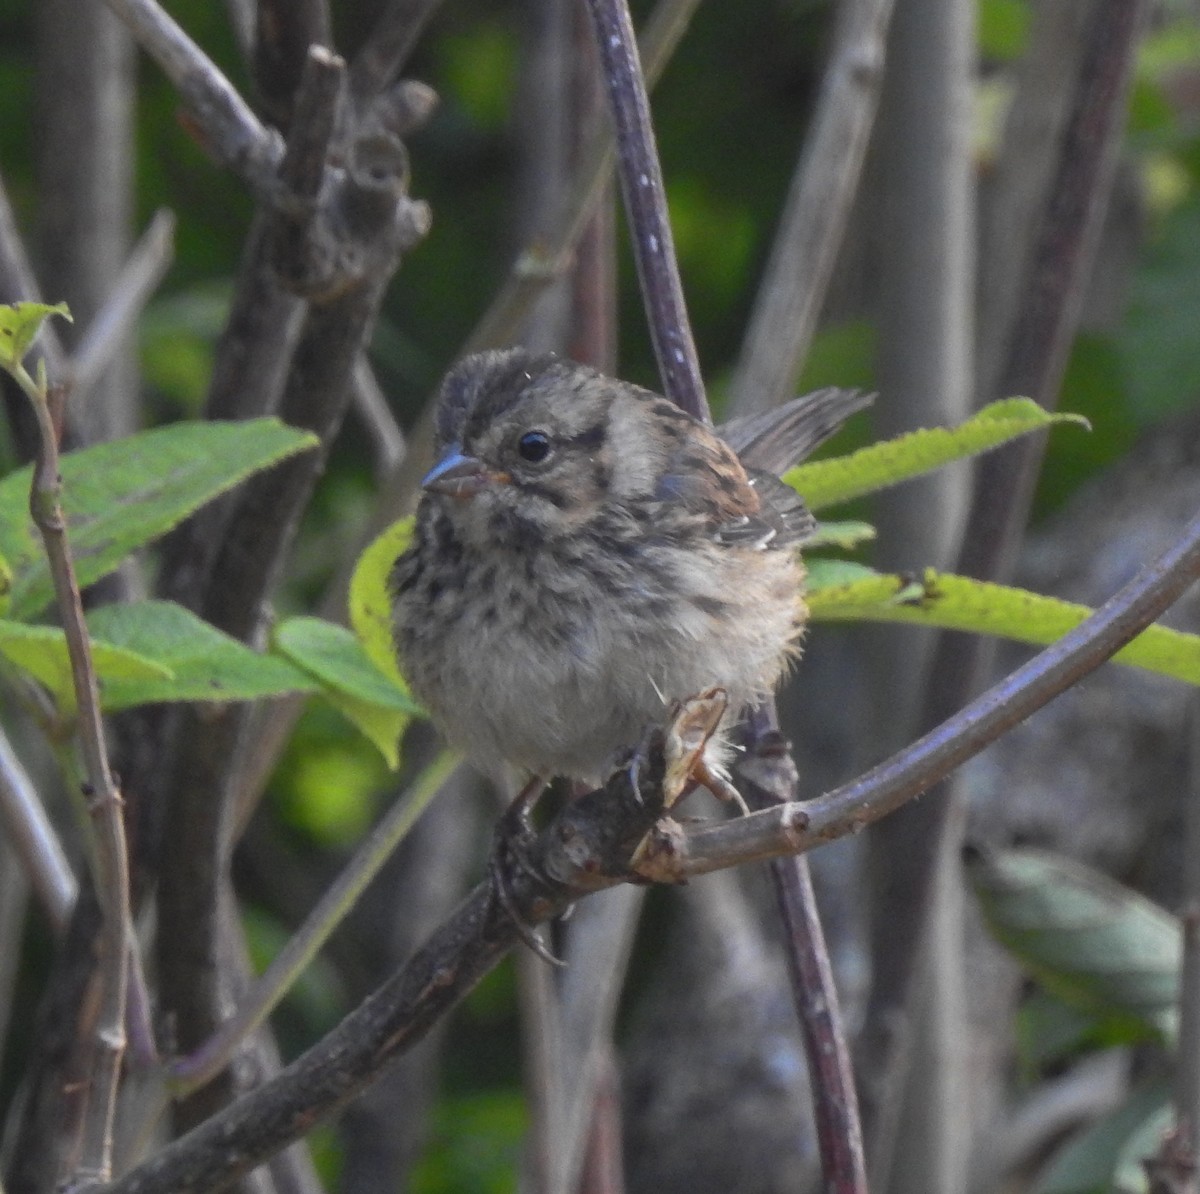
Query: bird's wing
{"type": "Point", "coordinates": [775, 440]}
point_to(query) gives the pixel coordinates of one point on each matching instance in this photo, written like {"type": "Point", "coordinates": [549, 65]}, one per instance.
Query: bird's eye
{"type": "Point", "coordinates": [534, 446]}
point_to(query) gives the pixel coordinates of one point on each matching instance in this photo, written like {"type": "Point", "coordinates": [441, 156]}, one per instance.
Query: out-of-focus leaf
{"type": "Point", "coordinates": [119, 496]}
{"type": "Point", "coordinates": [1094, 387]}
{"type": "Point", "coordinates": [841, 355]}
{"type": "Point", "coordinates": [19, 326]}
{"type": "Point", "coordinates": [177, 334]}
{"type": "Point", "coordinates": [202, 663]}
{"type": "Point", "coordinates": [1003, 29]}
{"type": "Point", "coordinates": [476, 1146]}
{"type": "Point", "coordinates": [1158, 334]}
{"type": "Point", "coordinates": [1095, 944]}
{"type": "Point", "coordinates": [370, 601]}
{"type": "Point", "coordinates": [840, 478]}
{"type": "Point", "coordinates": [836, 574]}
{"type": "Point", "coordinates": [846, 535]}
{"type": "Point", "coordinates": [1051, 1032]}
{"type": "Point", "coordinates": [960, 603]}
{"type": "Point", "coordinates": [42, 652]}
{"type": "Point", "coordinates": [1105, 1157]}
{"type": "Point", "coordinates": [378, 705]}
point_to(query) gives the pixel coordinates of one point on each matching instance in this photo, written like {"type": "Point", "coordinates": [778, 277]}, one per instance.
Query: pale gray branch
{"type": "Point", "coordinates": [145, 269]}
{"type": "Point", "coordinates": [230, 130]}
{"type": "Point", "coordinates": [34, 839]}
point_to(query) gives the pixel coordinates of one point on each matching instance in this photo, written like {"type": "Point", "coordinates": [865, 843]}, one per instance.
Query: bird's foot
{"type": "Point", "coordinates": [511, 857]}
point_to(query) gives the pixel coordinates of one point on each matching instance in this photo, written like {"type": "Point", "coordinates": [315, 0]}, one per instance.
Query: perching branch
{"type": "Point", "coordinates": [662, 295]}
{"type": "Point", "coordinates": [589, 847]}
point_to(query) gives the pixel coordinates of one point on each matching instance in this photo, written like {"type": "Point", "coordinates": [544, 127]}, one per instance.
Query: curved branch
{"type": "Point", "coordinates": [586, 849]}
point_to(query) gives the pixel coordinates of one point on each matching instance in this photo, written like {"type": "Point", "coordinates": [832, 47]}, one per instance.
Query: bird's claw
{"type": "Point", "coordinates": [510, 854]}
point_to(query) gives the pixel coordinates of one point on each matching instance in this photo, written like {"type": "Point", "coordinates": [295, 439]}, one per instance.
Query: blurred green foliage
{"type": "Point", "coordinates": [475, 1148]}
{"type": "Point", "coordinates": [730, 115]}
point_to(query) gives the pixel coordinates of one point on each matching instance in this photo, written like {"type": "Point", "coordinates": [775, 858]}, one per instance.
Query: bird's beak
{"type": "Point", "coordinates": [459, 475]}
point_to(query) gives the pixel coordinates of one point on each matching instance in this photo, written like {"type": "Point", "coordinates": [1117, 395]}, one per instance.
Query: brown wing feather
{"type": "Point", "coordinates": [775, 440]}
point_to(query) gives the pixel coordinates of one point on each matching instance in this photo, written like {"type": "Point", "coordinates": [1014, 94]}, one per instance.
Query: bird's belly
{"type": "Point", "coordinates": [560, 687]}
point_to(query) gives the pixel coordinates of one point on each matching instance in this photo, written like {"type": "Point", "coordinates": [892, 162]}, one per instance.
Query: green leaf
{"type": "Point", "coordinates": [840, 478]}
{"type": "Point", "coordinates": [1096, 945]}
{"type": "Point", "coordinates": [836, 574]}
{"type": "Point", "coordinates": [371, 602]}
{"type": "Point", "coordinates": [845, 535]}
{"type": "Point", "coordinates": [958, 603]}
{"type": "Point", "coordinates": [204, 664]}
{"type": "Point", "coordinates": [371, 700]}
{"type": "Point", "coordinates": [1051, 1032]}
{"type": "Point", "coordinates": [42, 652]}
{"type": "Point", "coordinates": [121, 495]}
{"type": "Point", "coordinates": [1105, 1157]}
{"type": "Point", "coordinates": [19, 326]}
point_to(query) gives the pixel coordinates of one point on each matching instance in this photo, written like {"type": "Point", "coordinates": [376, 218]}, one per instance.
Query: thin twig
{"type": "Point", "coordinates": [34, 840]}
{"type": "Point", "coordinates": [543, 262]}
{"type": "Point", "coordinates": [646, 208]}
{"type": "Point", "coordinates": [1187, 1061]}
{"type": "Point", "coordinates": [284, 33]}
{"type": "Point", "coordinates": [662, 296]}
{"type": "Point", "coordinates": [145, 269]}
{"type": "Point", "coordinates": [382, 56]}
{"type": "Point", "coordinates": [371, 406]}
{"type": "Point", "coordinates": [103, 798]}
{"type": "Point", "coordinates": [817, 209]}
{"type": "Point", "coordinates": [229, 129]}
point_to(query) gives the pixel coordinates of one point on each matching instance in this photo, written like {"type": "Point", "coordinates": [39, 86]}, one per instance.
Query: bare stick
{"type": "Point", "coordinates": [541, 263]}
{"type": "Point", "coordinates": [646, 208]}
{"type": "Point", "coordinates": [767, 778]}
{"type": "Point", "coordinates": [145, 269]}
{"type": "Point", "coordinates": [34, 840]}
{"type": "Point", "coordinates": [662, 295]}
{"type": "Point", "coordinates": [230, 130]}
{"type": "Point", "coordinates": [818, 206]}
{"type": "Point", "coordinates": [1187, 1062]}
{"type": "Point", "coordinates": [100, 791]}
{"type": "Point", "coordinates": [371, 406]}
{"type": "Point", "coordinates": [382, 56]}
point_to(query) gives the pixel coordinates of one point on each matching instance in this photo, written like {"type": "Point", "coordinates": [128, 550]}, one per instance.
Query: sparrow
{"type": "Point", "coordinates": [585, 554]}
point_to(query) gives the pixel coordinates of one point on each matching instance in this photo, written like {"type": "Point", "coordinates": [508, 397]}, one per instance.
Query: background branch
{"type": "Point", "coordinates": [816, 211]}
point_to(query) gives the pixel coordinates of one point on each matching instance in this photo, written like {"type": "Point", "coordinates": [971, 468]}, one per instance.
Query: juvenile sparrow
{"type": "Point", "coordinates": [585, 554]}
